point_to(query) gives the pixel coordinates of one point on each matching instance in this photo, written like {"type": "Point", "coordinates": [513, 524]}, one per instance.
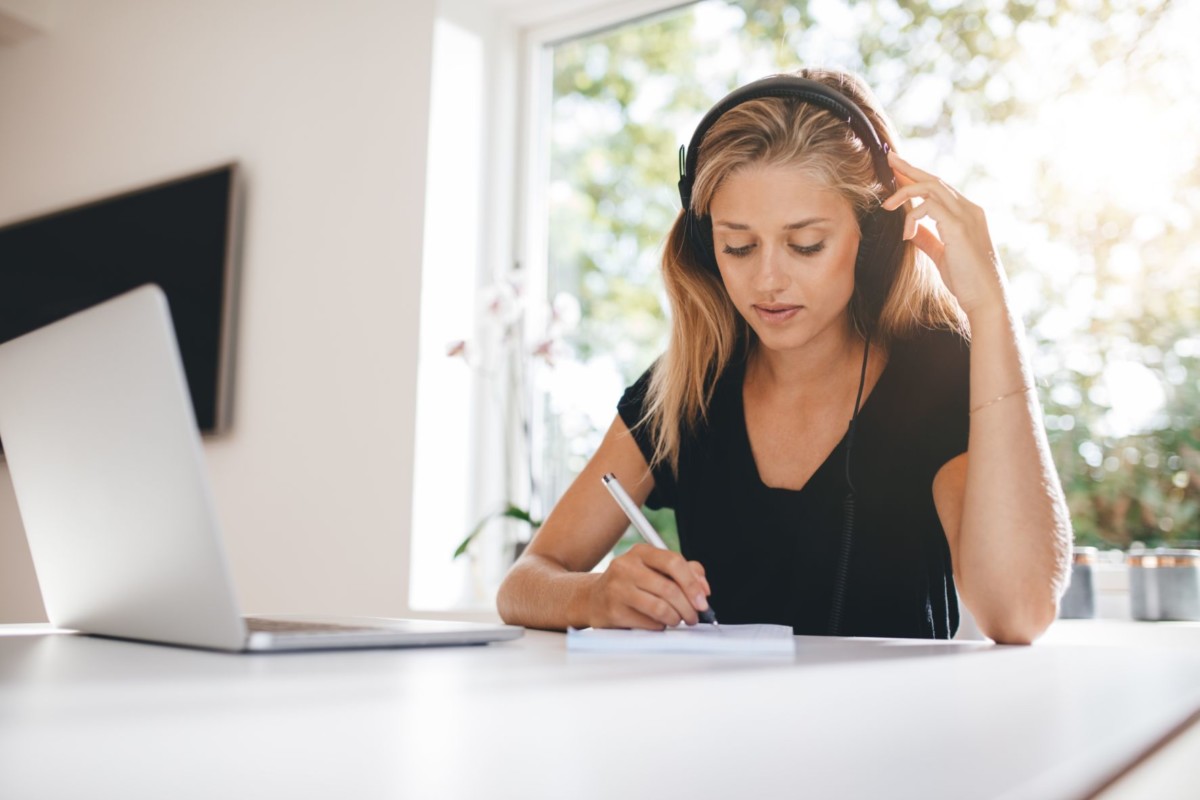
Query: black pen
{"type": "Point", "coordinates": [643, 527]}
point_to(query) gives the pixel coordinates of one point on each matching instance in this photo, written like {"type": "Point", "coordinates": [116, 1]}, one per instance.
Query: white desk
{"type": "Point", "coordinates": [84, 717]}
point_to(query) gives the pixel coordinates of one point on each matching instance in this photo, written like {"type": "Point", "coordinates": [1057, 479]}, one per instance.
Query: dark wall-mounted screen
{"type": "Point", "coordinates": [177, 234]}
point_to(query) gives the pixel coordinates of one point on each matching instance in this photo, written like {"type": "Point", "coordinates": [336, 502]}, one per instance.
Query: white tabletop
{"type": "Point", "coordinates": [848, 718]}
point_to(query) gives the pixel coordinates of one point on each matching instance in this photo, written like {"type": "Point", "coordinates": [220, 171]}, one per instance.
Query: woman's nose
{"type": "Point", "coordinates": [770, 274]}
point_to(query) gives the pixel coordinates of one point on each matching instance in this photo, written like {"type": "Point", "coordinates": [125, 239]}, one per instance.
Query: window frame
{"type": "Point", "coordinates": [513, 231]}
{"type": "Point", "coordinates": [531, 205]}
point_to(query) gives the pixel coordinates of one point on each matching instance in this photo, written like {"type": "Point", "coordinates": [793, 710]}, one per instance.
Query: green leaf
{"type": "Point", "coordinates": [479, 526]}
{"type": "Point", "coordinates": [510, 511]}
{"type": "Point", "coordinates": [513, 512]}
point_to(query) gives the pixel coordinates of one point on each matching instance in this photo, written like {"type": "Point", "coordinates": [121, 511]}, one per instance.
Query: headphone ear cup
{"type": "Point", "coordinates": [879, 252]}
{"type": "Point", "coordinates": [700, 238]}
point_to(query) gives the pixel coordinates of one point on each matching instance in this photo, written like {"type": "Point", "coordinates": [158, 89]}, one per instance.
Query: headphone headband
{"type": "Point", "coordinates": [809, 91]}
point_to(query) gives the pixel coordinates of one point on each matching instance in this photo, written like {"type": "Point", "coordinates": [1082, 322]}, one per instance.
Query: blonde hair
{"type": "Point", "coordinates": [706, 330]}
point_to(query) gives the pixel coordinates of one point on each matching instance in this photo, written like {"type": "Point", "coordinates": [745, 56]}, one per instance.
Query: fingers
{"type": "Point", "coordinates": [668, 602]}
{"type": "Point", "coordinates": [642, 610]}
{"type": "Point", "coordinates": [951, 221]}
{"type": "Point", "coordinates": [902, 179]}
{"type": "Point", "coordinates": [961, 247]}
{"type": "Point", "coordinates": [923, 237]}
{"type": "Point", "coordinates": [626, 604]}
{"type": "Point", "coordinates": [900, 165]}
{"type": "Point", "coordinates": [648, 587]}
{"type": "Point", "coordinates": [698, 568]}
{"type": "Point", "coordinates": [916, 184]}
{"type": "Point", "coordinates": [924, 191]}
{"type": "Point", "coordinates": [928, 242]}
{"type": "Point", "coordinates": [694, 586]}
{"type": "Point", "coordinates": [926, 209]}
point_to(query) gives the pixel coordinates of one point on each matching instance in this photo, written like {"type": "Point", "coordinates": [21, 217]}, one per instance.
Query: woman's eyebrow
{"type": "Point", "coordinates": [804, 223]}
{"type": "Point", "coordinates": [791, 226]}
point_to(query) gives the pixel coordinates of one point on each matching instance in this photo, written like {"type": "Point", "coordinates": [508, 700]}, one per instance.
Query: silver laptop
{"type": "Point", "coordinates": [109, 474]}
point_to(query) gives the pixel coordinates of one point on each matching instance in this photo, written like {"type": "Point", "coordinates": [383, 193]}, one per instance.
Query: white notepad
{"type": "Point", "coordinates": [754, 640]}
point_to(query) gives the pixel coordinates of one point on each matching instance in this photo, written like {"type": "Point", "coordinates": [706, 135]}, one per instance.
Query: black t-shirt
{"type": "Point", "coordinates": [770, 554]}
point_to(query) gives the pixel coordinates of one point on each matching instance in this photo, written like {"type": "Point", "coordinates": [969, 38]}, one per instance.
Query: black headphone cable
{"type": "Point", "coordinates": [843, 564]}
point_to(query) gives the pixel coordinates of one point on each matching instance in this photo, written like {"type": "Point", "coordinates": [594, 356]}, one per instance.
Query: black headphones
{"type": "Point", "coordinates": [879, 227]}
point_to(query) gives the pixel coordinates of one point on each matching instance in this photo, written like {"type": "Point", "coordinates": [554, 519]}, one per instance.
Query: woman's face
{"type": "Point", "coordinates": [786, 247]}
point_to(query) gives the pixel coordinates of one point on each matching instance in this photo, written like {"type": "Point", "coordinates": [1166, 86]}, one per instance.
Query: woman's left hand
{"type": "Point", "coordinates": [963, 254]}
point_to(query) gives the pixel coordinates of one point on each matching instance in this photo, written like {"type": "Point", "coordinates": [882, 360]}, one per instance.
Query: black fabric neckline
{"type": "Point", "coordinates": [769, 553]}
{"type": "Point", "coordinates": [743, 431]}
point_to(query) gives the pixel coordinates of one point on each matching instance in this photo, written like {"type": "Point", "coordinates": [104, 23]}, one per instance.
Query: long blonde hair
{"type": "Point", "coordinates": [706, 330]}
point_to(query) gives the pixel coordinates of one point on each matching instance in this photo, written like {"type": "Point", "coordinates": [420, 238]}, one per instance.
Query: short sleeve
{"type": "Point", "coordinates": [632, 410]}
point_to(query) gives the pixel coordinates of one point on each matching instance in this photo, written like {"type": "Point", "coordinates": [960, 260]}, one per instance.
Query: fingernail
{"type": "Point", "coordinates": [700, 602]}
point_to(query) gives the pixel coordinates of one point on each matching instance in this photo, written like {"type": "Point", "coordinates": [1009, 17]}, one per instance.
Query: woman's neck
{"type": "Point", "coordinates": [800, 372]}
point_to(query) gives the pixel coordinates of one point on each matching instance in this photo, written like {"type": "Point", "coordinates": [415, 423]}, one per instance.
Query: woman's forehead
{"type": "Point", "coordinates": [775, 190]}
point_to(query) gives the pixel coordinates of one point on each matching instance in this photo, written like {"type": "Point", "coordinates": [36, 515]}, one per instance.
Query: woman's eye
{"type": "Point", "coordinates": [810, 249]}
{"type": "Point", "coordinates": [738, 252]}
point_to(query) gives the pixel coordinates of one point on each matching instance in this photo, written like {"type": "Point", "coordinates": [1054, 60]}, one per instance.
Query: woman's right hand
{"type": "Point", "coordinates": [648, 588]}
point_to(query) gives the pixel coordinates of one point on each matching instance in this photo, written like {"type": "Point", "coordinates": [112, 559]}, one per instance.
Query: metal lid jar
{"type": "Point", "coordinates": [1079, 601]}
{"type": "Point", "coordinates": [1164, 584]}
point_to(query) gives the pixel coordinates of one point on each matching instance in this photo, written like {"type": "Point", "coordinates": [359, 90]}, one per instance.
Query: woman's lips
{"type": "Point", "coordinates": [777, 313]}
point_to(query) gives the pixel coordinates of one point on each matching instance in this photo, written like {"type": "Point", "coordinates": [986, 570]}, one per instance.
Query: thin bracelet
{"type": "Point", "coordinates": [995, 400]}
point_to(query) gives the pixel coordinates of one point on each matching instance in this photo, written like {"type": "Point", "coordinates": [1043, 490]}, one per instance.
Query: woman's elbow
{"type": "Point", "coordinates": [1020, 626]}
{"type": "Point", "coordinates": [506, 603]}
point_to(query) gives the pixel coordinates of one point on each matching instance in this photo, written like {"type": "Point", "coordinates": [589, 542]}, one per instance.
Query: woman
{"type": "Point", "coordinates": [805, 296]}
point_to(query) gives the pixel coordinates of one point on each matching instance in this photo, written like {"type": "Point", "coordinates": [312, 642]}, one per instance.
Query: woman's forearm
{"type": "Point", "coordinates": [540, 593]}
{"type": "Point", "coordinates": [1015, 537]}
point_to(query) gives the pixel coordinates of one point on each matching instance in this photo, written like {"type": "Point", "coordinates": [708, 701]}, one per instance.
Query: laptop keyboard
{"type": "Point", "coordinates": [260, 625]}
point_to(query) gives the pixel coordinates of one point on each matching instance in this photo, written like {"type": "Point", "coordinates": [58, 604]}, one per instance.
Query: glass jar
{"type": "Point", "coordinates": [1164, 584]}
{"type": "Point", "coordinates": [1079, 601]}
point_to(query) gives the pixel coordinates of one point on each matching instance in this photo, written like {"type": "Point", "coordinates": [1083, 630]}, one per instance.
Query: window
{"type": "Point", "coordinates": [1066, 125]}
{"type": "Point", "coordinates": [1074, 128]}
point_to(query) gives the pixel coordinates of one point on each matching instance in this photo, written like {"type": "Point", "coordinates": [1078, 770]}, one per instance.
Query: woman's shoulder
{"type": "Point", "coordinates": [935, 360]}
{"type": "Point", "coordinates": [932, 344]}
{"type": "Point", "coordinates": [727, 381]}
{"type": "Point", "coordinates": [930, 390]}
{"type": "Point", "coordinates": [632, 404]}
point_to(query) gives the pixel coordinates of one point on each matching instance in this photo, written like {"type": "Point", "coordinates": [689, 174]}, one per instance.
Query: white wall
{"type": "Point", "coordinates": [326, 106]}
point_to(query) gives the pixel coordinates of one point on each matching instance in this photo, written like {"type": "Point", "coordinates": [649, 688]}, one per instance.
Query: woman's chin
{"type": "Point", "coordinates": [801, 333]}
{"type": "Point", "coordinates": [776, 340]}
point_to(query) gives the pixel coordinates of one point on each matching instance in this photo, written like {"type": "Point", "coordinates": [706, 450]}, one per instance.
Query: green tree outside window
{"type": "Point", "coordinates": [1074, 125]}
